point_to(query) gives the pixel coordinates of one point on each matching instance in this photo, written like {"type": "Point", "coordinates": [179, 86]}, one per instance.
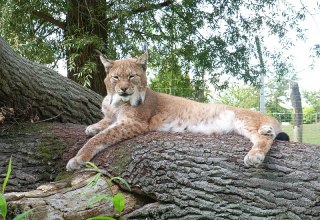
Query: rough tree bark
{"type": "Point", "coordinates": [37, 91]}
{"type": "Point", "coordinates": [37, 151]}
{"type": "Point", "coordinates": [173, 176]}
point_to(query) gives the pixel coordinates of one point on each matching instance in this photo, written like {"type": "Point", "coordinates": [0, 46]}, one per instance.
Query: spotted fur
{"type": "Point", "coordinates": [131, 108]}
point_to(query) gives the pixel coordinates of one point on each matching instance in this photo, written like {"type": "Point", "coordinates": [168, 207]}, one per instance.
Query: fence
{"type": "Point", "coordinates": [310, 126]}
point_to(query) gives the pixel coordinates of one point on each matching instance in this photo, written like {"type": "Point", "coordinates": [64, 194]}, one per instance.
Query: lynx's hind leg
{"type": "Point", "coordinates": [261, 145]}
{"type": "Point", "coordinates": [268, 131]}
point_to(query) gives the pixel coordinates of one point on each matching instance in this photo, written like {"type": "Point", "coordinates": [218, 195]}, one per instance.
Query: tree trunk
{"type": "Point", "coordinates": [87, 18]}
{"type": "Point", "coordinates": [172, 176]}
{"type": "Point", "coordinates": [35, 91]}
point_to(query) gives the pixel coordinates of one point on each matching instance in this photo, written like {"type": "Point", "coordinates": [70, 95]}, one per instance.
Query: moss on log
{"type": "Point", "coordinates": [39, 152]}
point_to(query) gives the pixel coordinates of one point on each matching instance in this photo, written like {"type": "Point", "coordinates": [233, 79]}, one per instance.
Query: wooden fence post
{"type": "Point", "coordinates": [295, 97]}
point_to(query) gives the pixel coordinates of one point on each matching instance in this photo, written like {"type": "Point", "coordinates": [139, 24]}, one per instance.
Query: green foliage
{"type": "Point", "coordinates": [92, 165]}
{"type": "Point", "coordinates": [282, 114]}
{"type": "Point", "coordinates": [3, 206]}
{"type": "Point", "coordinates": [32, 38]}
{"type": "Point", "coordinates": [118, 200]}
{"type": "Point", "coordinates": [5, 182]}
{"type": "Point", "coordinates": [244, 97]}
{"type": "Point", "coordinates": [76, 45]}
{"type": "Point", "coordinates": [277, 95]}
{"type": "Point", "coordinates": [121, 180]}
{"type": "Point", "coordinates": [313, 99]}
{"type": "Point", "coordinates": [99, 198]}
{"type": "Point", "coordinates": [23, 215]}
{"type": "Point", "coordinates": [169, 79]}
{"type": "Point", "coordinates": [95, 180]}
{"type": "Point", "coordinates": [248, 97]}
{"type": "Point", "coordinates": [310, 115]}
{"type": "Point", "coordinates": [209, 38]}
{"type": "Point", "coordinates": [3, 202]}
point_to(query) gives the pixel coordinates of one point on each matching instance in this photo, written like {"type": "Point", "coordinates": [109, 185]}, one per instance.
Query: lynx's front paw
{"type": "Point", "coordinates": [254, 158]}
{"type": "Point", "coordinates": [74, 164]}
{"type": "Point", "coordinates": [92, 130]}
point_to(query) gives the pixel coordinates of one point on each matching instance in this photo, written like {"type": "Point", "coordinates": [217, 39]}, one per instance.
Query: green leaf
{"type": "Point", "coordinates": [119, 202]}
{"type": "Point", "coordinates": [23, 215]}
{"type": "Point", "coordinates": [7, 175]}
{"type": "Point", "coordinates": [122, 181]}
{"type": "Point", "coordinates": [91, 165]}
{"type": "Point", "coordinates": [99, 198]}
{"type": "Point", "coordinates": [94, 181]}
{"type": "Point", "coordinates": [101, 218]}
{"type": "Point", "coordinates": [3, 206]}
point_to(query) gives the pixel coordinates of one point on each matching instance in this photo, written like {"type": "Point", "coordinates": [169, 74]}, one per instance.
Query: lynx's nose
{"type": "Point", "coordinates": [124, 89]}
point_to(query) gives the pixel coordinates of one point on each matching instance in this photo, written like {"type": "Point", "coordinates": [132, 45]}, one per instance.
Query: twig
{"type": "Point", "coordinates": [104, 172]}
{"type": "Point", "coordinates": [48, 119]}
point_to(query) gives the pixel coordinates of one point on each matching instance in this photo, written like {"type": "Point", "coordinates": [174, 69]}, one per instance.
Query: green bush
{"type": "Point", "coordinates": [309, 115]}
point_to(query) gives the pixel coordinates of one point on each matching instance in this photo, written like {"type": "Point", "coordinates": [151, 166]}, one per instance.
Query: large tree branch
{"type": "Point", "coordinates": [145, 8]}
{"type": "Point", "coordinates": [181, 176]}
{"type": "Point", "coordinates": [49, 18]}
{"type": "Point", "coordinates": [34, 90]}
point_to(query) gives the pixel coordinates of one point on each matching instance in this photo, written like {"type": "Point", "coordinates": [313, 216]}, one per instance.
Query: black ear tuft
{"type": "Point", "coordinates": [145, 47]}
{"type": "Point", "coordinates": [282, 136]}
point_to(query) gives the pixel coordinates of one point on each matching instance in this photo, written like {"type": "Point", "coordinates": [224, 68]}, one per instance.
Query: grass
{"type": "Point", "coordinates": [310, 133]}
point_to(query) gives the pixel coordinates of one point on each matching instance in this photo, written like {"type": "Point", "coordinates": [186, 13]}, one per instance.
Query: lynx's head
{"type": "Point", "coordinates": [126, 79]}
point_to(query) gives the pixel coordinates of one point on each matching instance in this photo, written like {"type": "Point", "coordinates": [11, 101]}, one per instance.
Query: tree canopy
{"type": "Point", "coordinates": [207, 38]}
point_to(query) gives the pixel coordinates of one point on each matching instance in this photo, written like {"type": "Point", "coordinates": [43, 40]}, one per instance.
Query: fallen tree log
{"type": "Point", "coordinates": [178, 176]}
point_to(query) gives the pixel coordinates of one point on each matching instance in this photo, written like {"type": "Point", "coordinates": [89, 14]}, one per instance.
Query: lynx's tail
{"type": "Point", "coordinates": [282, 136]}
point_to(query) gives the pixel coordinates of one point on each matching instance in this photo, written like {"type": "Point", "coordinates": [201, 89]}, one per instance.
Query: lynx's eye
{"type": "Point", "coordinates": [131, 76]}
{"type": "Point", "coordinates": [115, 78]}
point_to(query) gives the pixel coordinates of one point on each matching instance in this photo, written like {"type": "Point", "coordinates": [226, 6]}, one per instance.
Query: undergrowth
{"type": "Point", "coordinates": [117, 199]}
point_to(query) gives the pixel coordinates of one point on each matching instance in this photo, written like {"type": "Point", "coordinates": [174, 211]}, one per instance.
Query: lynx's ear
{"type": "Point", "coordinates": [105, 62]}
{"type": "Point", "coordinates": [142, 60]}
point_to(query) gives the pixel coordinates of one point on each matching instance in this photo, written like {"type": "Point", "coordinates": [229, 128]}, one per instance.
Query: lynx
{"type": "Point", "coordinates": [131, 108]}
